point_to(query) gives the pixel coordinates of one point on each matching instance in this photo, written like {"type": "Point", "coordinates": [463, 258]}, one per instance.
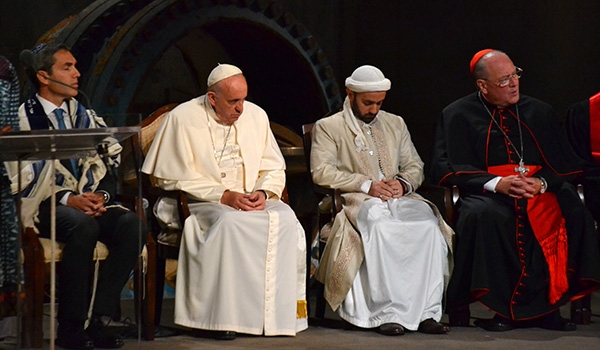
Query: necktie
{"type": "Point", "coordinates": [61, 125]}
{"type": "Point", "coordinates": [61, 120]}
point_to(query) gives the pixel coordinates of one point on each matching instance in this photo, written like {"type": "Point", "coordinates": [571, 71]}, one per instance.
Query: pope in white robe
{"type": "Point", "coordinates": [388, 251]}
{"type": "Point", "coordinates": [242, 261]}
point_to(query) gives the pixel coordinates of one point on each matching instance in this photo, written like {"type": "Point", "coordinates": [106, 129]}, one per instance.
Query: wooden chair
{"type": "Point", "coordinates": [36, 263]}
{"type": "Point", "coordinates": [167, 241]}
{"type": "Point", "coordinates": [577, 130]}
{"type": "Point", "coordinates": [331, 204]}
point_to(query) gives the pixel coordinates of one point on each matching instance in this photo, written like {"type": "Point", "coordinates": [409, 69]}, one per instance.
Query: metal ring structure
{"type": "Point", "coordinates": [119, 43]}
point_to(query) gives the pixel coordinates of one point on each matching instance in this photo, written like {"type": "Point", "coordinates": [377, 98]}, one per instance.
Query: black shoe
{"type": "Point", "coordinates": [391, 329]}
{"type": "Point", "coordinates": [431, 326]}
{"type": "Point", "coordinates": [555, 322]}
{"type": "Point", "coordinates": [223, 335]}
{"type": "Point", "coordinates": [102, 337]}
{"type": "Point", "coordinates": [73, 338]}
{"type": "Point", "coordinates": [496, 324]}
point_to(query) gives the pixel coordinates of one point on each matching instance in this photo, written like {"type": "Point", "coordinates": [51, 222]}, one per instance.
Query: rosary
{"type": "Point", "coordinates": [521, 169]}
{"type": "Point", "coordinates": [370, 132]}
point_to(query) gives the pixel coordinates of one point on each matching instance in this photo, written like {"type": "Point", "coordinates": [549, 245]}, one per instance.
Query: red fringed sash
{"type": "Point", "coordinates": [595, 126]}
{"type": "Point", "coordinates": [549, 228]}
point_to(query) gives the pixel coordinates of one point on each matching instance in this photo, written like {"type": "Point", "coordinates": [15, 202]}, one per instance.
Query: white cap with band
{"type": "Point", "coordinates": [368, 79]}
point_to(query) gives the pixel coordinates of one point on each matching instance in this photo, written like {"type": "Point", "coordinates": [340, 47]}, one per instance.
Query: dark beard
{"type": "Point", "coordinates": [362, 117]}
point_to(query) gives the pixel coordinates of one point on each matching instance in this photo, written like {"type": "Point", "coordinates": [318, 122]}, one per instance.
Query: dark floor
{"type": "Point", "coordinates": [329, 334]}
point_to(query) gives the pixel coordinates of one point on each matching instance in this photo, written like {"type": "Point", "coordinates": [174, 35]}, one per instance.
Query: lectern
{"type": "Point", "coordinates": [52, 145]}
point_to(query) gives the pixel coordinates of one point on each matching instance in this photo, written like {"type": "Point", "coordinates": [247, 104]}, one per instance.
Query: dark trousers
{"type": "Point", "coordinates": [123, 233]}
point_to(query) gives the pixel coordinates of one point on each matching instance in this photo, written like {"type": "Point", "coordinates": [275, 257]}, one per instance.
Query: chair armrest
{"type": "Point", "coordinates": [30, 239]}
{"type": "Point", "coordinates": [180, 196]}
{"type": "Point", "coordinates": [580, 192]}
{"type": "Point", "coordinates": [334, 193]}
{"type": "Point", "coordinates": [444, 198]}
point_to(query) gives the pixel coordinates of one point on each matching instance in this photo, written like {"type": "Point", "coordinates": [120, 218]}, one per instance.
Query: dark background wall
{"type": "Point", "coordinates": [424, 47]}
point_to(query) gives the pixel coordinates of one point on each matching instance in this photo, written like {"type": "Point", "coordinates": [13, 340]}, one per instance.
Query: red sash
{"type": "Point", "coordinates": [549, 228]}
{"type": "Point", "coordinates": [595, 126]}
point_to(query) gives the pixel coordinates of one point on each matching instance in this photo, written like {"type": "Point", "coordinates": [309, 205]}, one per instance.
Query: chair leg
{"type": "Point", "coordinates": [150, 302]}
{"type": "Point", "coordinates": [321, 303]}
{"type": "Point", "coordinates": [459, 316]}
{"type": "Point", "coordinates": [32, 334]}
{"type": "Point", "coordinates": [307, 228]}
{"type": "Point", "coordinates": [160, 288]}
{"type": "Point", "coordinates": [145, 293]}
{"type": "Point", "coordinates": [581, 311]}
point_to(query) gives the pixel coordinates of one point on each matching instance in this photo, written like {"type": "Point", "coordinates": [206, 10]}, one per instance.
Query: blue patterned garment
{"type": "Point", "coordinates": [9, 248]}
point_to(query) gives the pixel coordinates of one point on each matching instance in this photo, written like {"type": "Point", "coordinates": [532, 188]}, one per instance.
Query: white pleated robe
{"type": "Point", "coordinates": [401, 279]}
{"type": "Point", "coordinates": [237, 271]}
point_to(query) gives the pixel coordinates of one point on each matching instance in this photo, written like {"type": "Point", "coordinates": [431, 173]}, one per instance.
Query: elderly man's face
{"type": "Point", "coordinates": [228, 98]}
{"type": "Point", "coordinates": [500, 67]}
{"type": "Point", "coordinates": [366, 105]}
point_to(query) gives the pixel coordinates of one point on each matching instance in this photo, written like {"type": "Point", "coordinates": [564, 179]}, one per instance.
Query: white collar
{"type": "Point", "coordinates": [49, 107]}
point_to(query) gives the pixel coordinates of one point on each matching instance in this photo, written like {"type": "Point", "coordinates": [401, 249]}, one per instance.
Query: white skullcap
{"type": "Point", "coordinates": [368, 79]}
{"type": "Point", "coordinates": [222, 71]}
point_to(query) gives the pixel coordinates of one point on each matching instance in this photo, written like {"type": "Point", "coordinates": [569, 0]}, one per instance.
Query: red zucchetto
{"type": "Point", "coordinates": [477, 57]}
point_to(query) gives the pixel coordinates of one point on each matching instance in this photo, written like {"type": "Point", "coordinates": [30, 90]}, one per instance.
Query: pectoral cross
{"type": "Point", "coordinates": [521, 169]}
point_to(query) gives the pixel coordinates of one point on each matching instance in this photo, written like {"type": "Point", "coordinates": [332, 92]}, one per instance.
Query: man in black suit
{"type": "Point", "coordinates": [85, 207]}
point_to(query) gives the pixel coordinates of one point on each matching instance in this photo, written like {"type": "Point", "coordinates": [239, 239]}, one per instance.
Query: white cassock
{"type": "Point", "coordinates": [237, 271]}
{"type": "Point", "coordinates": [401, 279]}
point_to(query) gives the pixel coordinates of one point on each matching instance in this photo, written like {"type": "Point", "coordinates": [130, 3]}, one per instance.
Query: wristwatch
{"type": "Point", "coordinates": [543, 185]}
{"type": "Point", "coordinates": [105, 195]}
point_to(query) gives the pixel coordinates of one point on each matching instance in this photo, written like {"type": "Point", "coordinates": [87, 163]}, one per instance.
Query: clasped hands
{"type": "Point", "coordinates": [247, 202]}
{"type": "Point", "coordinates": [519, 186]}
{"type": "Point", "coordinates": [90, 203]}
{"type": "Point", "coordinates": [386, 189]}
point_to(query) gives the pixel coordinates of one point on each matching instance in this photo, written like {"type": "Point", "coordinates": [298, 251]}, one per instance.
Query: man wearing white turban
{"type": "Point", "coordinates": [242, 263]}
{"type": "Point", "coordinates": [387, 255]}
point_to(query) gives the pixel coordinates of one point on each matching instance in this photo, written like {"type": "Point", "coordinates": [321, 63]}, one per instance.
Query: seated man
{"type": "Point", "coordinates": [243, 255]}
{"type": "Point", "coordinates": [582, 127]}
{"type": "Point", "coordinates": [9, 226]}
{"type": "Point", "coordinates": [525, 243]}
{"type": "Point", "coordinates": [395, 259]}
{"type": "Point", "coordinates": [85, 208]}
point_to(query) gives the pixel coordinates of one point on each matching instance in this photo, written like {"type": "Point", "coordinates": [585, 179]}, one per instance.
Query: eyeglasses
{"type": "Point", "coordinates": [505, 81]}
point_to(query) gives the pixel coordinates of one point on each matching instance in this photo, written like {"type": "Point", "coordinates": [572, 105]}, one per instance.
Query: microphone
{"type": "Point", "coordinates": [27, 57]}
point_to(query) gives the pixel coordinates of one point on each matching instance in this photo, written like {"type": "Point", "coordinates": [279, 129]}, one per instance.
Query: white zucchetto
{"type": "Point", "coordinates": [220, 72]}
{"type": "Point", "coordinates": [368, 79]}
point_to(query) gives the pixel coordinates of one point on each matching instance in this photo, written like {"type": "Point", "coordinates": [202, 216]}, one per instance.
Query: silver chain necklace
{"type": "Point", "coordinates": [213, 141]}
{"type": "Point", "coordinates": [521, 169]}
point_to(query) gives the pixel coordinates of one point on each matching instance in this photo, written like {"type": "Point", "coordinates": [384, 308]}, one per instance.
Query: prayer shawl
{"type": "Point", "coordinates": [36, 176]}
{"type": "Point", "coordinates": [9, 233]}
{"type": "Point", "coordinates": [344, 251]}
